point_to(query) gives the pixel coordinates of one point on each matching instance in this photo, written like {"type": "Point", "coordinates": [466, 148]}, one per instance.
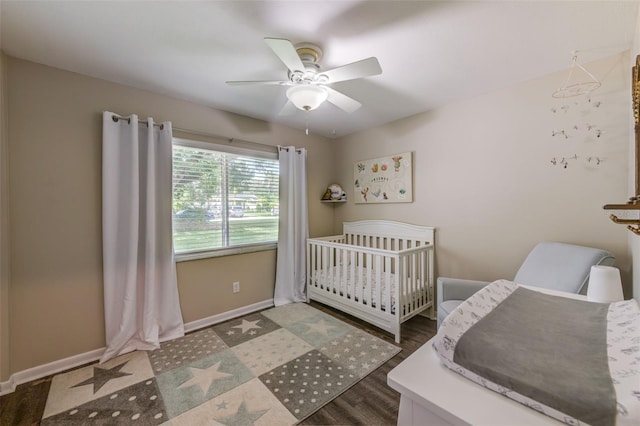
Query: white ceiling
{"type": "Point", "coordinates": [431, 53]}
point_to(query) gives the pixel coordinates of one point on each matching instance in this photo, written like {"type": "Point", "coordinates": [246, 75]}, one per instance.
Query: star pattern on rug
{"type": "Point", "coordinates": [204, 377]}
{"type": "Point", "coordinates": [242, 417]}
{"type": "Point", "coordinates": [102, 375]}
{"type": "Point", "coordinates": [140, 404]}
{"type": "Point", "coordinates": [248, 325]}
{"type": "Point", "coordinates": [272, 367]}
{"type": "Point", "coordinates": [320, 327]}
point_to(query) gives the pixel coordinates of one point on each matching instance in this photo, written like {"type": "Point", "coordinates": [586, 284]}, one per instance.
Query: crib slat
{"type": "Point", "coordinates": [410, 301]}
{"type": "Point", "coordinates": [429, 278]}
{"type": "Point", "coordinates": [389, 287]}
{"type": "Point", "coordinates": [410, 284]}
{"type": "Point", "coordinates": [345, 270]}
{"type": "Point", "coordinates": [421, 258]}
{"type": "Point", "coordinates": [309, 270]}
{"type": "Point", "coordinates": [359, 267]}
{"type": "Point", "coordinates": [325, 267]}
{"type": "Point", "coordinates": [368, 286]}
{"type": "Point", "coordinates": [337, 268]}
{"type": "Point", "coordinates": [414, 282]}
{"type": "Point", "coordinates": [404, 288]}
{"type": "Point", "coordinates": [415, 279]}
{"type": "Point", "coordinates": [423, 277]}
{"type": "Point", "coordinates": [352, 277]}
{"type": "Point", "coordinates": [376, 284]}
{"type": "Point", "coordinates": [332, 264]}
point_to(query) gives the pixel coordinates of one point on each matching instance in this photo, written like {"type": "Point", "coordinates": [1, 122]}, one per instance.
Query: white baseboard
{"type": "Point", "coordinates": [54, 367]}
{"type": "Point", "coordinates": [225, 316]}
{"type": "Point", "coordinates": [45, 370]}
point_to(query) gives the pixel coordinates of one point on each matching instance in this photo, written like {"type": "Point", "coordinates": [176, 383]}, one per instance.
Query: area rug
{"type": "Point", "coordinates": [275, 367]}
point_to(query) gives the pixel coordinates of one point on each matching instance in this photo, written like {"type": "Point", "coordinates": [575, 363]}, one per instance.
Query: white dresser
{"type": "Point", "coordinates": [431, 394]}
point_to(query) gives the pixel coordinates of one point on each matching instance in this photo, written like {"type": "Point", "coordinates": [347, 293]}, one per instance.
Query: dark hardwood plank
{"type": "Point", "coordinates": [26, 404]}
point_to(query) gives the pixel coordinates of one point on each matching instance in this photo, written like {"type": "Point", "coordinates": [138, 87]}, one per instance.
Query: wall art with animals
{"type": "Point", "coordinates": [384, 180]}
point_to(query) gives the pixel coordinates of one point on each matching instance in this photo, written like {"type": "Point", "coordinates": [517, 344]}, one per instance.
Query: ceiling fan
{"type": "Point", "coordinates": [308, 84]}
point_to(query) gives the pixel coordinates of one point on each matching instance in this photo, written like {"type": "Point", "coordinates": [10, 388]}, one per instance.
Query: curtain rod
{"type": "Point", "coordinates": [225, 138]}
{"type": "Point", "coordinates": [117, 118]}
{"type": "Point", "coordinates": [286, 148]}
{"type": "Point", "coordinates": [196, 133]}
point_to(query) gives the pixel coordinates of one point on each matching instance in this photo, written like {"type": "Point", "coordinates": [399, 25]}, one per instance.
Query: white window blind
{"type": "Point", "coordinates": [223, 199]}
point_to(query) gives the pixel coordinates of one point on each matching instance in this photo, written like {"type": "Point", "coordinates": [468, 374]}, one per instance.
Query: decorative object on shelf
{"type": "Point", "coordinates": [629, 213]}
{"type": "Point", "coordinates": [605, 285]}
{"type": "Point", "coordinates": [384, 180]}
{"type": "Point", "coordinates": [334, 192]}
{"type": "Point", "coordinates": [580, 84]}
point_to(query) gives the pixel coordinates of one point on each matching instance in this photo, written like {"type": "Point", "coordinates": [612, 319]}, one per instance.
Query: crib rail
{"type": "Point", "coordinates": [372, 271]}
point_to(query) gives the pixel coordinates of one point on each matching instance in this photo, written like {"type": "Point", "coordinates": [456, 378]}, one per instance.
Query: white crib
{"type": "Point", "coordinates": [352, 272]}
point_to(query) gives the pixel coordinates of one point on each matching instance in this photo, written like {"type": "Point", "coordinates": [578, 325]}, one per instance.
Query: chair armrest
{"type": "Point", "coordinates": [457, 289]}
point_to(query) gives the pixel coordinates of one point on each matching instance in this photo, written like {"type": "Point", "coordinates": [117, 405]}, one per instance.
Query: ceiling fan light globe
{"type": "Point", "coordinates": [307, 97]}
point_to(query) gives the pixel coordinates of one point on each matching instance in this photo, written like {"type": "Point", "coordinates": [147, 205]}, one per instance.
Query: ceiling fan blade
{"type": "Point", "coordinates": [359, 69]}
{"type": "Point", "coordinates": [342, 101]}
{"type": "Point", "coordinates": [269, 82]}
{"type": "Point", "coordinates": [286, 52]}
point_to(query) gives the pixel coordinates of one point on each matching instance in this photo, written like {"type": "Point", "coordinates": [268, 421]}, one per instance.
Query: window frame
{"type": "Point", "coordinates": [223, 251]}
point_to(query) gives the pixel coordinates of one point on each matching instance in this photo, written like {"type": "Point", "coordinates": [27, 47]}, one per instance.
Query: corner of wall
{"type": "Point", "coordinates": [4, 224]}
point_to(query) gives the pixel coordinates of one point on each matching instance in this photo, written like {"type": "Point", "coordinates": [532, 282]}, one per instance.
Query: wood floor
{"type": "Point", "coordinates": [368, 402]}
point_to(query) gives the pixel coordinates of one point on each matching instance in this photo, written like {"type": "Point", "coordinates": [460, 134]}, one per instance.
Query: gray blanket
{"type": "Point", "coordinates": [550, 349]}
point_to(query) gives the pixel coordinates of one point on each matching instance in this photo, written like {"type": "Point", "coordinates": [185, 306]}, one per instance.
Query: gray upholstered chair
{"type": "Point", "coordinates": [551, 265]}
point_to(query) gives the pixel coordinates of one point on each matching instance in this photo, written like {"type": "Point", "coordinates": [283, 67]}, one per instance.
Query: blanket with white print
{"type": "Point", "coordinates": [573, 360]}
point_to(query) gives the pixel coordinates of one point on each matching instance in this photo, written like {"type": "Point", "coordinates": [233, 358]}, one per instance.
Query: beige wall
{"type": "Point", "coordinates": [483, 177]}
{"type": "Point", "coordinates": [4, 227]}
{"type": "Point", "coordinates": [55, 194]}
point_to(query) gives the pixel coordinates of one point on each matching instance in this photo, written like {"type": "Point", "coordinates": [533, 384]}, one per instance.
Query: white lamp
{"type": "Point", "coordinates": [307, 97]}
{"type": "Point", "coordinates": [605, 285]}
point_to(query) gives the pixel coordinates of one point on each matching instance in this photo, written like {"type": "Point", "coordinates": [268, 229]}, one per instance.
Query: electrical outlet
{"type": "Point", "coordinates": [236, 287]}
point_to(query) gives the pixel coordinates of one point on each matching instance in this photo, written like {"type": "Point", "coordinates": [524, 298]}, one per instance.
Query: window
{"type": "Point", "coordinates": [225, 199]}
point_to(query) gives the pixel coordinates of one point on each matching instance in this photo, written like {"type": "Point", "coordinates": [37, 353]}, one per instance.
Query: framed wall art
{"type": "Point", "coordinates": [386, 179]}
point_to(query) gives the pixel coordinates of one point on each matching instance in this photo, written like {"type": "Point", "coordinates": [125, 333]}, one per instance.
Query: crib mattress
{"type": "Point", "coordinates": [573, 360]}
{"type": "Point", "coordinates": [330, 278]}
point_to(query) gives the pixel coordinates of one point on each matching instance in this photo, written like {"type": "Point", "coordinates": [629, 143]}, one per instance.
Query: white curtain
{"type": "Point", "coordinates": [293, 228]}
{"type": "Point", "coordinates": [141, 301]}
